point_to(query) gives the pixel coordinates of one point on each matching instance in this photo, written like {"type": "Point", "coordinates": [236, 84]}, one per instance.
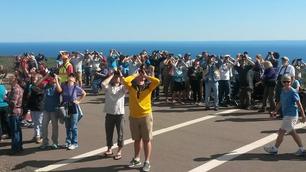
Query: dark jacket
{"type": "Point", "coordinates": [269, 77]}
{"type": "Point", "coordinates": [243, 75]}
{"type": "Point", "coordinates": [36, 96]}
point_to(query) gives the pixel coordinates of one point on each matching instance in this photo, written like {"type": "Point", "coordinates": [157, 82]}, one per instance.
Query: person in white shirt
{"type": "Point", "coordinates": [224, 82]}
{"type": "Point", "coordinates": [114, 109]}
{"type": "Point", "coordinates": [285, 69]}
{"type": "Point", "coordinates": [88, 67]}
{"type": "Point", "coordinates": [134, 64]}
{"type": "Point", "coordinates": [77, 61]}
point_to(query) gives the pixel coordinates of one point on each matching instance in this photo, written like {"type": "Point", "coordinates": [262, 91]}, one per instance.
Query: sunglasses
{"type": "Point", "coordinates": [286, 81]}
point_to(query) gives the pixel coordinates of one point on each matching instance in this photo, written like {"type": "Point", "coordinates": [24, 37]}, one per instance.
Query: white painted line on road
{"type": "Point", "coordinates": [240, 151]}
{"type": "Point", "coordinates": [227, 111]}
{"type": "Point", "coordinates": [128, 141]}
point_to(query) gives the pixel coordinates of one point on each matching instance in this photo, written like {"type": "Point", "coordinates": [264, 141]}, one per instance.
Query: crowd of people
{"type": "Point", "coordinates": [207, 79]}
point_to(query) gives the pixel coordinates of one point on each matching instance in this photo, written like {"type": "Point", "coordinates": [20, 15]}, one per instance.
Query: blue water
{"type": "Point", "coordinates": [292, 49]}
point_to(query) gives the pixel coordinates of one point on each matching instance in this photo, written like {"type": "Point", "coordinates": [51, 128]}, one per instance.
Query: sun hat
{"type": "Point", "coordinates": [285, 58]}
{"type": "Point", "coordinates": [63, 52]}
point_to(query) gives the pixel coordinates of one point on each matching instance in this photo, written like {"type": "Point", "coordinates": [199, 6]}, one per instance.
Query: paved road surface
{"type": "Point", "coordinates": [186, 138]}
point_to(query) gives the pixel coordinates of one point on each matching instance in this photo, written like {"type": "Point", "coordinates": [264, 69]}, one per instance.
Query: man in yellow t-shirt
{"type": "Point", "coordinates": [140, 87]}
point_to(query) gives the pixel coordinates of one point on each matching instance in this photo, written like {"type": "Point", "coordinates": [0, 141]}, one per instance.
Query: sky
{"type": "Point", "coordinates": [151, 20]}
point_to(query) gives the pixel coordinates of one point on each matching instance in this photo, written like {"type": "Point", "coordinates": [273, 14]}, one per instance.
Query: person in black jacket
{"type": "Point", "coordinates": [35, 105]}
{"type": "Point", "coordinates": [246, 81]}
{"type": "Point", "coordinates": [195, 74]}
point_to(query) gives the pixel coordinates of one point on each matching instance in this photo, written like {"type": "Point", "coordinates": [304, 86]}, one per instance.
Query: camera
{"type": "Point", "coordinates": [53, 71]}
{"type": "Point", "coordinates": [274, 54]}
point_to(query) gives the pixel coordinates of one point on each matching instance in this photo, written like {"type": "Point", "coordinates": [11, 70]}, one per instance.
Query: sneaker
{"type": "Point", "coordinates": [44, 146]}
{"type": "Point", "coordinates": [54, 146]}
{"type": "Point", "coordinates": [300, 152]}
{"type": "Point", "coordinates": [146, 167]}
{"type": "Point", "coordinates": [5, 136]}
{"type": "Point", "coordinates": [72, 147]}
{"type": "Point", "coordinates": [271, 150]}
{"type": "Point", "coordinates": [38, 140]}
{"type": "Point", "coordinates": [134, 163]}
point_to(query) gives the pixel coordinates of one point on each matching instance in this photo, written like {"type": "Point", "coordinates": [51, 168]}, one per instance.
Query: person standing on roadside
{"type": "Point", "coordinates": [114, 109]}
{"type": "Point", "coordinates": [15, 112]}
{"type": "Point", "coordinates": [51, 102]}
{"type": "Point", "coordinates": [66, 68]}
{"type": "Point", "coordinates": [140, 87]}
{"type": "Point", "coordinates": [4, 122]}
{"type": "Point", "coordinates": [72, 96]}
{"type": "Point", "coordinates": [289, 104]}
{"type": "Point", "coordinates": [35, 105]}
{"type": "Point", "coordinates": [77, 62]}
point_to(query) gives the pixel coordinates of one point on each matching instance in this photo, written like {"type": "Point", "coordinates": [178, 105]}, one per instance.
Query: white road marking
{"type": "Point", "coordinates": [128, 141]}
{"type": "Point", "coordinates": [235, 153]}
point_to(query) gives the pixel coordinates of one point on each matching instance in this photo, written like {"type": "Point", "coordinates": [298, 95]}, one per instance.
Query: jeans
{"type": "Point", "coordinates": [16, 133]}
{"type": "Point", "coordinates": [4, 121]}
{"type": "Point", "coordinates": [71, 125]}
{"type": "Point", "coordinates": [50, 116]}
{"type": "Point", "coordinates": [37, 117]}
{"type": "Point", "coordinates": [211, 85]}
{"type": "Point", "coordinates": [88, 71]}
{"type": "Point", "coordinates": [96, 85]}
{"type": "Point", "coordinates": [112, 121]}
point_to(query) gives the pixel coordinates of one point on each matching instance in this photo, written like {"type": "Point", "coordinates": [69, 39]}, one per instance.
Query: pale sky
{"type": "Point", "coordinates": [151, 20]}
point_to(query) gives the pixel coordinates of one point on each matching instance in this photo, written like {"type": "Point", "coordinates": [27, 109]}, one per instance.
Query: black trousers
{"type": "Point", "coordinates": [112, 121]}
{"type": "Point", "coordinates": [196, 90]}
{"type": "Point", "coordinates": [245, 97]}
{"type": "Point", "coordinates": [224, 91]}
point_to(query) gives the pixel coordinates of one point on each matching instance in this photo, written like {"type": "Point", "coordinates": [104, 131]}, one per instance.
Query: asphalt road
{"type": "Point", "coordinates": [180, 148]}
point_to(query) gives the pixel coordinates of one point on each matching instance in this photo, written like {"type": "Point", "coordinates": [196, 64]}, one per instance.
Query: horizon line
{"type": "Point", "coordinates": [88, 41]}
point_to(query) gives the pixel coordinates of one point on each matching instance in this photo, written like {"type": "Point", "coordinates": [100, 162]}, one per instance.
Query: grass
{"type": "Point", "coordinates": [9, 62]}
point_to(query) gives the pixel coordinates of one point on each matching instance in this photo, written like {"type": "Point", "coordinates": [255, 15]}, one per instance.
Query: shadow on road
{"type": "Point", "coordinates": [246, 113]}
{"type": "Point", "coordinates": [253, 156]}
{"type": "Point", "coordinates": [243, 120]}
{"type": "Point", "coordinates": [113, 168]}
{"type": "Point", "coordinates": [301, 130]}
{"type": "Point", "coordinates": [43, 163]}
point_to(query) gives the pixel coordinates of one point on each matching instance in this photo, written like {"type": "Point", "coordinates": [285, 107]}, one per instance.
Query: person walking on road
{"type": "Point", "coordinates": [289, 101]}
{"type": "Point", "coordinates": [140, 87]}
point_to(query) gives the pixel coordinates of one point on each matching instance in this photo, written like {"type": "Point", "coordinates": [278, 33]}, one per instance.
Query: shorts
{"type": "Point", "coordinates": [289, 123]}
{"type": "Point", "coordinates": [142, 128]}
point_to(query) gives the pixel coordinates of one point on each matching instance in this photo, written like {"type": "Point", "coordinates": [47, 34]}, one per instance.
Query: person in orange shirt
{"type": "Point", "coordinates": [140, 87]}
